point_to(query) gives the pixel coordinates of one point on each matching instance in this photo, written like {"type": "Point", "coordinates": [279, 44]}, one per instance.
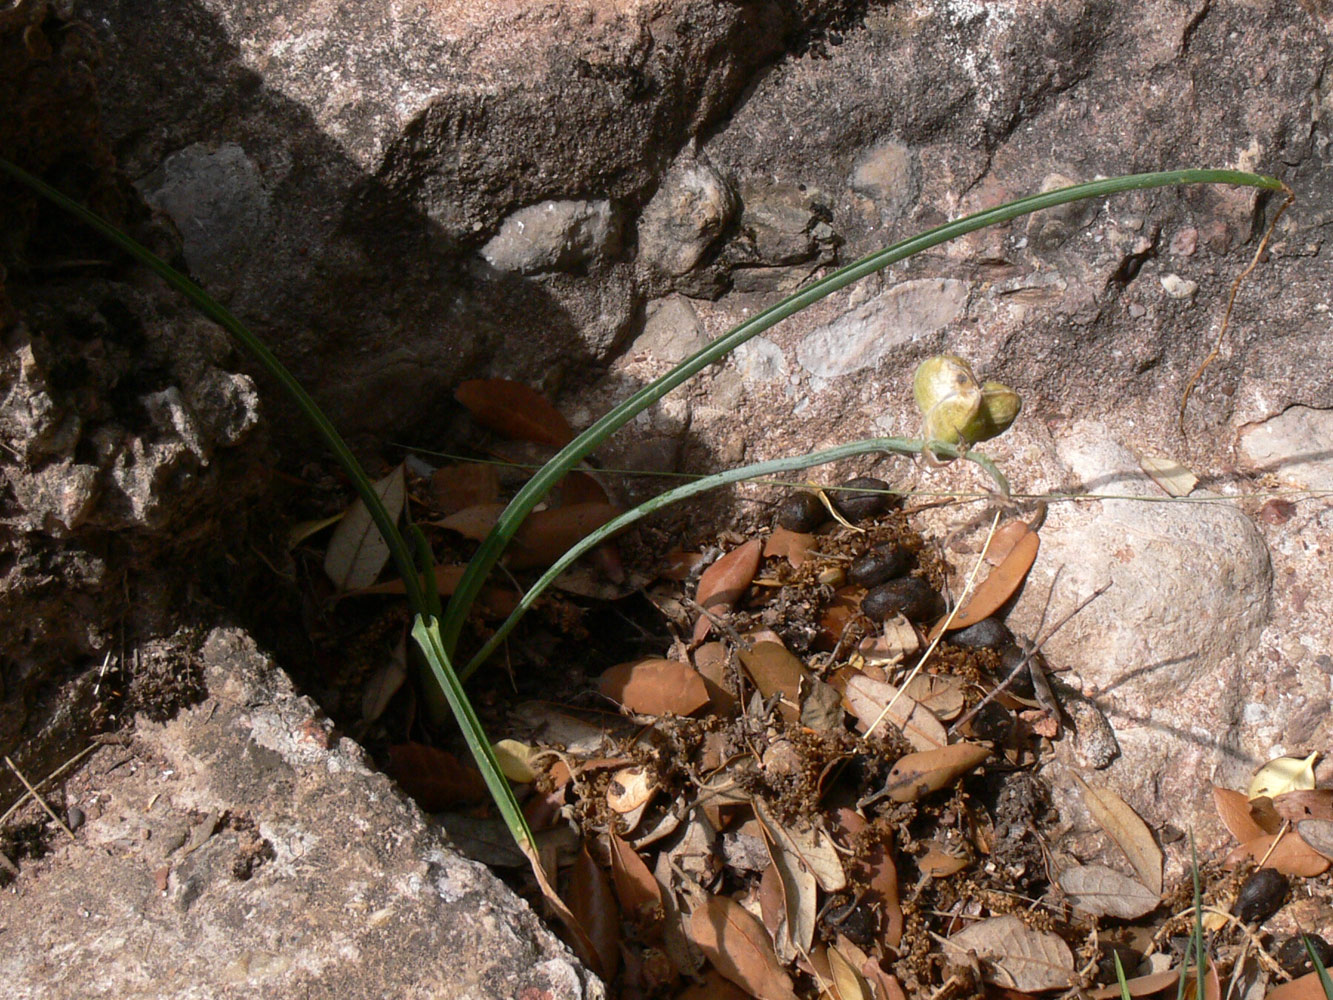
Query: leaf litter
{"type": "Point", "coordinates": [743, 831]}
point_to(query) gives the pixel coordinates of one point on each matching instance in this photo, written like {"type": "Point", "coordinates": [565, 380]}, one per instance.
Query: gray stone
{"type": "Point", "coordinates": [689, 211]}
{"type": "Point", "coordinates": [864, 336]}
{"type": "Point", "coordinates": [672, 331]}
{"type": "Point", "coordinates": [1050, 228]}
{"type": "Point", "coordinates": [555, 236]}
{"type": "Point", "coordinates": [890, 175]}
{"type": "Point", "coordinates": [760, 360]}
{"type": "Point", "coordinates": [1296, 446]}
{"type": "Point", "coordinates": [1177, 287]}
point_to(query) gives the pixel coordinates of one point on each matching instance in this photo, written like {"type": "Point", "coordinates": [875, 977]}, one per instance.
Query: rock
{"type": "Point", "coordinates": [779, 223]}
{"type": "Point", "coordinates": [760, 360]}
{"type": "Point", "coordinates": [689, 211]}
{"type": "Point", "coordinates": [284, 865]}
{"type": "Point", "coordinates": [672, 331]}
{"type": "Point", "coordinates": [890, 175]}
{"type": "Point", "coordinates": [1177, 287]}
{"type": "Point", "coordinates": [555, 236]}
{"type": "Point", "coordinates": [1282, 446]}
{"type": "Point", "coordinates": [1050, 228]}
{"type": "Point", "coordinates": [864, 336]}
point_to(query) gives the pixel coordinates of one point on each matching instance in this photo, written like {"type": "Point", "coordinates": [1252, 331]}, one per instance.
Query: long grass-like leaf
{"type": "Point", "coordinates": [1324, 980]}
{"type": "Point", "coordinates": [540, 484]}
{"type": "Point", "coordinates": [1120, 976]}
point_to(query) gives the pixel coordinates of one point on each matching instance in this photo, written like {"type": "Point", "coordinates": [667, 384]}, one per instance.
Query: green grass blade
{"type": "Point", "coordinates": [219, 314]}
{"type": "Point", "coordinates": [904, 446]}
{"type": "Point", "coordinates": [540, 484]}
{"type": "Point", "coordinates": [1324, 981]}
{"type": "Point", "coordinates": [1120, 976]}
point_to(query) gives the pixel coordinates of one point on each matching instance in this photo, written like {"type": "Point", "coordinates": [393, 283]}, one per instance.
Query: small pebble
{"type": "Point", "coordinates": [802, 512]}
{"type": "Point", "coordinates": [74, 817]}
{"type": "Point", "coordinates": [883, 562]}
{"type": "Point", "coordinates": [859, 506]}
{"type": "Point", "coordinates": [989, 633]}
{"type": "Point", "coordinates": [1294, 959]}
{"type": "Point", "coordinates": [911, 597]}
{"type": "Point", "coordinates": [1261, 895]}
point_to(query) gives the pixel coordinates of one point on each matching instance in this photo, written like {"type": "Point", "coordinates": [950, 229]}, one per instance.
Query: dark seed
{"type": "Point", "coordinates": [989, 633]}
{"type": "Point", "coordinates": [993, 722]}
{"type": "Point", "coordinates": [910, 597]}
{"type": "Point", "coordinates": [1261, 895]}
{"type": "Point", "coordinates": [881, 563]}
{"type": "Point", "coordinates": [859, 499]}
{"type": "Point", "coordinates": [1294, 959]}
{"type": "Point", "coordinates": [802, 512]}
{"type": "Point", "coordinates": [1010, 656]}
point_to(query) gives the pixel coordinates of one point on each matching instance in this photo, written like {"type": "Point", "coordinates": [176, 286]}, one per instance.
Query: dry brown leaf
{"type": "Point", "coordinates": [848, 983]}
{"type": "Point", "coordinates": [680, 565]}
{"type": "Point", "coordinates": [357, 551]}
{"type": "Point", "coordinates": [895, 640]}
{"type": "Point", "coordinates": [1291, 856]}
{"type": "Point", "coordinates": [654, 686]}
{"type": "Point", "coordinates": [385, 683]}
{"type": "Point", "coordinates": [886, 986]}
{"type": "Point", "coordinates": [939, 694]}
{"type": "Point", "coordinates": [919, 774]}
{"type": "Point", "coordinates": [515, 760]}
{"type": "Point", "coordinates": [1233, 809]}
{"type": "Point", "coordinates": [1104, 892]}
{"type": "Point", "coordinates": [1318, 833]}
{"type": "Point", "coordinates": [630, 788]}
{"type": "Point", "coordinates": [1003, 541]}
{"type": "Point", "coordinates": [473, 522]}
{"type": "Point", "coordinates": [739, 947]}
{"type": "Point", "coordinates": [1283, 774]}
{"type": "Point", "coordinates": [434, 778]}
{"type": "Point", "coordinates": [723, 583]}
{"type": "Point", "coordinates": [1139, 986]}
{"type": "Point", "coordinates": [866, 699]}
{"type": "Point", "coordinates": [1306, 987]}
{"type": "Point", "coordinates": [455, 487]}
{"type": "Point", "coordinates": [1015, 956]}
{"type": "Point", "coordinates": [775, 670]}
{"type": "Point", "coordinates": [939, 863]}
{"type": "Point", "coordinates": [714, 987]}
{"type": "Point", "coordinates": [808, 844]}
{"type": "Point", "coordinates": [873, 867]}
{"type": "Point", "coordinates": [639, 894]}
{"type": "Point", "coordinates": [1316, 803]}
{"type": "Point", "coordinates": [546, 535]}
{"type": "Point", "coordinates": [594, 906]}
{"type": "Point", "coordinates": [793, 930]}
{"type": "Point", "coordinates": [710, 660]}
{"type": "Point", "coordinates": [514, 410]}
{"type": "Point", "coordinates": [839, 612]}
{"type": "Point", "coordinates": [1128, 831]}
{"type": "Point", "coordinates": [1169, 474]}
{"type": "Point", "coordinates": [1000, 585]}
{"type": "Point", "coordinates": [790, 545]}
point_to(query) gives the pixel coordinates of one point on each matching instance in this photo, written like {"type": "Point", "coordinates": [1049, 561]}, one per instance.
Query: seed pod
{"type": "Point", "coordinates": [1295, 960]}
{"type": "Point", "coordinates": [863, 498]}
{"type": "Point", "coordinates": [801, 512]}
{"type": "Point", "coordinates": [989, 633]}
{"type": "Point", "coordinates": [999, 408]}
{"type": "Point", "coordinates": [883, 562]}
{"type": "Point", "coordinates": [910, 597]}
{"type": "Point", "coordinates": [956, 408]}
{"type": "Point", "coordinates": [1261, 895]}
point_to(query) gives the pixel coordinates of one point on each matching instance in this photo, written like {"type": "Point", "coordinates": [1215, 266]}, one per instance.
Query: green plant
{"type": "Point", "coordinates": [437, 633]}
{"type": "Point", "coordinates": [1324, 980]}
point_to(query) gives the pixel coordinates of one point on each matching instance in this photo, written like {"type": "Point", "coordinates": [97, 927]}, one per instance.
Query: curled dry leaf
{"type": "Point", "coordinates": [723, 583]}
{"type": "Point", "coordinates": [796, 899]}
{"type": "Point", "coordinates": [866, 699]}
{"type": "Point", "coordinates": [638, 892]}
{"type": "Point", "coordinates": [515, 760]}
{"type": "Point", "coordinates": [1128, 831]}
{"type": "Point", "coordinates": [593, 905]}
{"type": "Point", "coordinates": [630, 788]}
{"type": "Point", "coordinates": [848, 983]}
{"type": "Point", "coordinates": [1292, 855]}
{"type": "Point", "coordinates": [1318, 833]}
{"type": "Point", "coordinates": [739, 947]}
{"type": "Point", "coordinates": [357, 552]}
{"type": "Point", "coordinates": [655, 686]}
{"type": "Point", "coordinates": [1104, 892]}
{"type": "Point", "coordinates": [1283, 774]}
{"type": "Point", "coordinates": [1139, 986]}
{"type": "Point", "coordinates": [1015, 956]}
{"type": "Point", "coordinates": [515, 410]}
{"type": "Point", "coordinates": [808, 844]}
{"type": "Point", "coordinates": [919, 774]}
{"type": "Point", "coordinates": [790, 545]}
{"type": "Point", "coordinates": [1316, 803]}
{"type": "Point", "coordinates": [1234, 810]}
{"type": "Point", "coordinates": [999, 585]}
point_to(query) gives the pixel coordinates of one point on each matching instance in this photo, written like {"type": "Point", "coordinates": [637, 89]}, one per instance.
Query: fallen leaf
{"type": "Point", "coordinates": [514, 410]}
{"type": "Point", "coordinates": [473, 522]}
{"type": "Point", "coordinates": [939, 863]}
{"type": "Point", "coordinates": [776, 671]}
{"type": "Point", "coordinates": [939, 694]}
{"type": "Point", "coordinates": [467, 484]}
{"type": "Point", "coordinates": [723, 583]}
{"type": "Point", "coordinates": [1104, 892]}
{"type": "Point", "coordinates": [887, 986]}
{"type": "Point", "coordinates": [1283, 774]}
{"type": "Point", "coordinates": [655, 686]}
{"type": "Point", "coordinates": [918, 774]}
{"type": "Point", "coordinates": [808, 844]}
{"type": "Point", "coordinates": [639, 894]}
{"type": "Point", "coordinates": [866, 699]}
{"type": "Point", "coordinates": [1000, 585]}
{"type": "Point", "coordinates": [1003, 541]}
{"type": "Point", "coordinates": [1292, 855]}
{"type": "Point", "coordinates": [434, 778]}
{"type": "Point", "coordinates": [1212, 989]}
{"type": "Point", "coordinates": [630, 788]}
{"type": "Point", "coordinates": [1315, 803]}
{"type": "Point", "coordinates": [821, 706]}
{"type": "Point", "coordinates": [873, 867]}
{"type": "Point", "coordinates": [848, 982]}
{"type": "Point", "coordinates": [593, 905]}
{"type": "Point", "coordinates": [793, 546]}
{"type": "Point", "coordinates": [515, 760]}
{"type": "Point", "coordinates": [1306, 987]}
{"type": "Point", "coordinates": [680, 565]}
{"type": "Point", "coordinates": [1016, 956]}
{"type": "Point", "coordinates": [1233, 809]}
{"type": "Point", "coordinates": [1169, 474]}
{"type": "Point", "coordinates": [357, 552]}
{"type": "Point", "coordinates": [894, 642]}
{"type": "Point", "coordinates": [1139, 986]}
{"type": "Point", "coordinates": [739, 947]}
{"type": "Point", "coordinates": [385, 683]}
{"type": "Point", "coordinates": [839, 612]}
{"type": "Point", "coordinates": [794, 931]}
{"type": "Point", "coordinates": [1318, 833]}
{"type": "Point", "coordinates": [1128, 831]}
{"type": "Point", "coordinates": [714, 987]}
{"type": "Point", "coordinates": [546, 535]}
{"type": "Point", "coordinates": [710, 660]}
{"type": "Point", "coordinates": [302, 530]}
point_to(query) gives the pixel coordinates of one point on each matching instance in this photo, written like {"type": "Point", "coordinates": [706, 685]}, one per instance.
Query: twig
{"type": "Point", "coordinates": [40, 801]}
{"type": "Point", "coordinates": [50, 777]}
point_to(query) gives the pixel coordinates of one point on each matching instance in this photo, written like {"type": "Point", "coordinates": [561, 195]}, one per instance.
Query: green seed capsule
{"type": "Point", "coordinates": [948, 396]}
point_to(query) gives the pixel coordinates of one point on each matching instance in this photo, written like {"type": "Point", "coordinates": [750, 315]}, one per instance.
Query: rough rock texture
{"type": "Point", "coordinates": [243, 850]}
